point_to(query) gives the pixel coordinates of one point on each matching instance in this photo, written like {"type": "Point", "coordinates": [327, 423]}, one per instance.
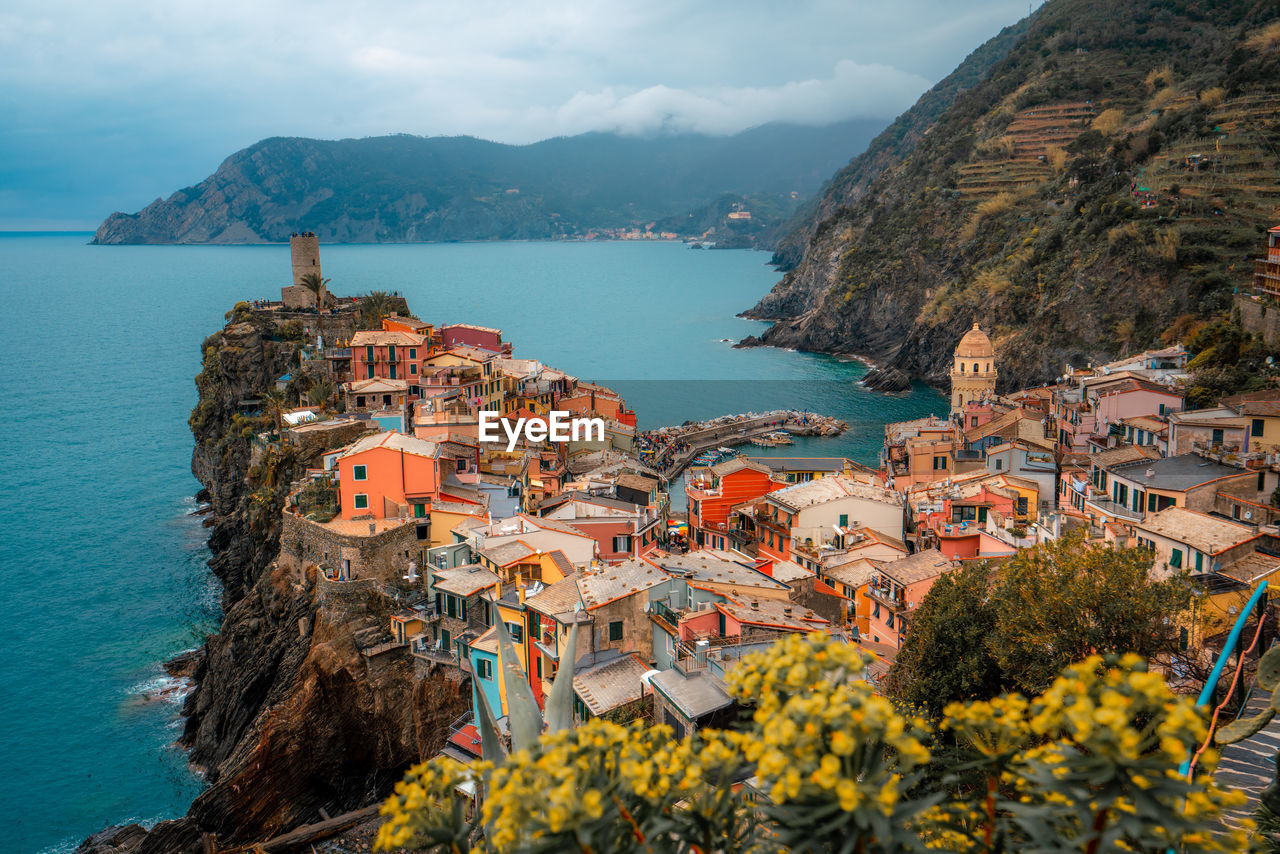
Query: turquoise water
{"type": "Point", "coordinates": [104, 569]}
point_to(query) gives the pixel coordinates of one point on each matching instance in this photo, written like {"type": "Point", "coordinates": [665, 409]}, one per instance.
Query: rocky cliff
{"type": "Point", "coordinates": [1090, 182]}
{"type": "Point", "coordinates": [287, 718]}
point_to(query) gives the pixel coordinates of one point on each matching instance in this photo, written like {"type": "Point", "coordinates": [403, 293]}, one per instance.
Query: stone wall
{"type": "Point", "coordinates": [1260, 318]}
{"type": "Point", "coordinates": [298, 296]}
{"type": "Point", "coordinates": [383, 558]}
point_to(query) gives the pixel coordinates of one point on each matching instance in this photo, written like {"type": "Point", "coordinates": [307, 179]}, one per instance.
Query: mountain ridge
{"type": "Point", "coordinates": [1093, 192]}
{"type": "Point", "coordinates": [404, 188]}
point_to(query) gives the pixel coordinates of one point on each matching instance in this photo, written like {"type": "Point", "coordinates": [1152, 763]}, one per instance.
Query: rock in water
{"type": "Point", "coordinates": [887, 380]}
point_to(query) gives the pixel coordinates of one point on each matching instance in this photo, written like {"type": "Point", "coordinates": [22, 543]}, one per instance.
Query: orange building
{"type": "Point", "coordinates": [388, 475]}
{"type": "Point", "coordinates": [713, 492]}
{"type": "Point", "coordinates": [895, 591]}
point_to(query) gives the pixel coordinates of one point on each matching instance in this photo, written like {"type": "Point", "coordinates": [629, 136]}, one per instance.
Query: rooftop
{"type": "Point", "coordinates": [694, 696]}
{"type": "Point", "coordinates": [773, 614]}
{"type": "Point", "coordinates": [1252, 567]}
{"type": "Point", "coordinates": [610, 685]}
{"type": "Point", "coordinates": [463, 580]}
{"type": "Point", "coordinates": [395, 442]}
{"type": "Point", "coordinates": [1202, 532]}
{"type": "Point", "coordinates": [381, 338]}
{"type": "Point", "coordinates": [698, 566]}
{"type": "Point", "coordinates": [826, 489]}
{"type": "Point", "coordinates": [377, 385]}
{"type": "Point", "coordinates": [1185, 471]}
{"type": "Point", "coordinates": [557, 600]}
{"type": "Point", "coordinates": [606, 584]}
{"type": "Point", "coordinates": [786, 464]}
{"type": "Point", "coordinates": [1123, 454]}
{"type": "Point", "coordinates": [920, 566]}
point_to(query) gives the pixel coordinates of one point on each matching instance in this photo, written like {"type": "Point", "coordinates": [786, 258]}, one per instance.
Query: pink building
{"type": "Point", "coordinates": [897, 589]}
{"type": "Point", "coordinates": [1131, 398]}
{"type": "Point", "coordinates": [379, 354]}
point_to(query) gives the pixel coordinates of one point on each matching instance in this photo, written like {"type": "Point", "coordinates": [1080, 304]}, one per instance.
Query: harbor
{"type": "Point", "coordinates": [670, 450]}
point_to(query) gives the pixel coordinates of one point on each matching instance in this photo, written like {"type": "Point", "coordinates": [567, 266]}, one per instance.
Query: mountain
{"type": "Point", "coordinates": [1088, 182]}
{"type": "Point", "coordinates": [408, 188]}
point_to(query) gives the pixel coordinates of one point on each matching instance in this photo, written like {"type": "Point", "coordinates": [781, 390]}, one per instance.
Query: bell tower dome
{"type": "Point", "coordinates": [973, 372]}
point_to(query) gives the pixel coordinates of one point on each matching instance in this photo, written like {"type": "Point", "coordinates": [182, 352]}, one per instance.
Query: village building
{"type": "Point", "coordinates": [973, 372]}
{"type": "Point", "coordinates": [713, 492]}
{"type": "Point", "coordinates": [621, 530]}
{"type": "Point", "coordinates": [809, 513]}
{"type": "Point", "coordinates": [1219, 429]}
{"type": "Point", "coordinates": [896, 590]}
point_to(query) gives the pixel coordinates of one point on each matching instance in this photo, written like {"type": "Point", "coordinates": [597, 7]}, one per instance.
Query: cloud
{"type": "Point", "coordinates": [130, 100]}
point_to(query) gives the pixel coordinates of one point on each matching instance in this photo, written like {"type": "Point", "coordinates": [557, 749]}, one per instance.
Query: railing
{"type": "Point", "coordinates": [663, 612]}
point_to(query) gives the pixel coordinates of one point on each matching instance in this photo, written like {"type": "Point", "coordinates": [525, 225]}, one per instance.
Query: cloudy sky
{"type": "Point", "coordinates": [105, 106]}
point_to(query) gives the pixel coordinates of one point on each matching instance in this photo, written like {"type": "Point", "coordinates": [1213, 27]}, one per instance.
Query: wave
{"type": "Point", "coordinates": [166, 689]}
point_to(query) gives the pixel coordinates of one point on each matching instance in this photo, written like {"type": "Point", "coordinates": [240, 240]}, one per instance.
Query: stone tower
{"type": "Point", "coordinates": [973, 374]}
{"type": "Point", "coordinates": [305, 250]}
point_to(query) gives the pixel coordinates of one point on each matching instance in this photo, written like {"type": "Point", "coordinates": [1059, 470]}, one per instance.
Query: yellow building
{"type": "Point", "coordinates": [973, 374]}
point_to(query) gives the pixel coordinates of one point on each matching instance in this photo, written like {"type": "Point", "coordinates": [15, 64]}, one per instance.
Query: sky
{"type": "Point", "coordinates": [106, 106]}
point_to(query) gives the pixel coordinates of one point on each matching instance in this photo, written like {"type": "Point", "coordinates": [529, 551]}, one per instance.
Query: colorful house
{"type": "Point", "coordinates": [896, 589]}
{"type": "Point", "coordinates": [713, 492]}
{"type": "Point", "coordinates": [388, 475]}
{"type": "Point", "coordinates": [390, 355]}
{"type": "Point", "coordinates": [808, 513]}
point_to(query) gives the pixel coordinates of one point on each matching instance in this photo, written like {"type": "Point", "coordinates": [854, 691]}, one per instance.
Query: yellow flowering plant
{"type": "Point", "coordinates": [824, 764]}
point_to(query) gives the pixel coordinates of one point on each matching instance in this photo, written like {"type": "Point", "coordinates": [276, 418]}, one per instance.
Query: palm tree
{"type": "Point", "coordinates": [315, 282]}
{"type": "Point", "coordinates": [276, 402]}
{"type": "Point", "coordinates": [374, 306]}
{"type": "Point", "coordinates": [320, 393]}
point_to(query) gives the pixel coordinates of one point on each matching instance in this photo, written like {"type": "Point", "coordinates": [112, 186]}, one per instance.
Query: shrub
{"type": "Point", "coordinates": [1089, 765]}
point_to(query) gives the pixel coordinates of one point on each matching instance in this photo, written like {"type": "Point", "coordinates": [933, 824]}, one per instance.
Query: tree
{"type": "Point", "coordinates": [952, 626]}
{"type": "Point", "coordinates": [276, 404]}
{"type": "Point", "coordinates": [321, 392]}
{"type": "Point", "coordinates": [314, 282]}
{"type": "Point", "coordinates": [1065, 600]}
{"type": "Point", "coordinates": [374, 306]}
{"type": "Point", "coordinates": [1014, 626]}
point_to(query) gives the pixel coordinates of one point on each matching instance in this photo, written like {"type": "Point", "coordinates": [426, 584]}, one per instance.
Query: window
{"type": "Point", "coordinates": [391, 352]}
{"type": "Point", "coordinates": [999, 465]}
{"type": "Point", "coordinates": [413, 370]}
{"type": "Point", "coordinates": [973, 421]}
{"type": "Point", "coordinates": [413, 352]}
{"type": "Point", "coordinates": [975, 367]}
{"type": "Point", "coordinates": [359, 473]}
{"type": "Point", "coordinates": [888, 621]}
{"type": "Point", "coordinates": [368, 354]}
{"type": "Point", "coordinates": [362, 501]}
{"type": "Point", "coordinates": [622, 543]}
{"type": "Point", "coordinates": [450, 606]}
{"type": "Point", "coordinates": [1199, 562]}
{"type": "Point", "coordinates": [1175, 559]}
{"type": "Point", "coordinates": [615, 631]}
{"type": "Point", "coordinates": [460, 464]}
{"type": "Point", "coordinates": [939, 463]}
{"type": "Point", "coordinates": [419, 510]}
{"type": "Point", "coordinates": [1217, 436]}
{"type": "Point", "coordinates": [391, 371]}
{"type": "Point", "coordinates": [537, 666]}
{"type": "Point", "coordinates": [372, 374]}
{"type": "Point", "coordinates": [844, 520]}
{"type": "Point", "coordinates": [1183, 638]}
{"type": "Point", "coordinates": [484, 668]}
{"type": "Point", "coordinates": [517, 632]}
{"type": "Point", "coordinates": [1162, 409]}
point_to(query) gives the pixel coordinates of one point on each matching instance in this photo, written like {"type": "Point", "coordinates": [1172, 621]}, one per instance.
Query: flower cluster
{"type": "Point", "coordinates": [825, 764]}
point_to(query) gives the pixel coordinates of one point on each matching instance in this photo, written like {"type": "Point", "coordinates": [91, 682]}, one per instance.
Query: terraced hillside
{"type": "Point", "coordinates": [1100, 188]}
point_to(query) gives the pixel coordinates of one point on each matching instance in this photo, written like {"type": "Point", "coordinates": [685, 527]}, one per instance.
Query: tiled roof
{"type": "Point", "coordinates": [610, 685]}
{"type": "Point", "coordinates": [557, 600]}
{"type": "Point", "coordinates": [773, 614]}
{"type": "Point", "coordinates": [699, 566]}
{"type": "Point", "coordinates": [1252, 567]}
{"type": "Point", "coordinates": [381, 338]}
{"type": "Point", "coordinates": [463, 580]}
{"type": "Point", "coordinates": [693, 696]}
{"type": "Point", "coordinates": [917, 567]}
{"type": "Point", "coordinates": [1185, 471]}
{"type": "Point", "coordinates": [508, 553]}
{"type": "Point", "coordinates": [1202, 532]}
{"type": "Point", "coordinates": [738, 464]}
{"type": "Point", "coordinates": [606, 584]}
{"type": "Point", "coordinates": [826, 489]}
{"type": "Point", "coordinates": [394, 441]}
{"type": "Point", "coordinates": [1123, 454]}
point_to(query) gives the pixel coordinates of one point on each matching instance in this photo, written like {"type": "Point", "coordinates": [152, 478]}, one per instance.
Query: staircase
{"type": "Point", "coordinates": [1250, 765]}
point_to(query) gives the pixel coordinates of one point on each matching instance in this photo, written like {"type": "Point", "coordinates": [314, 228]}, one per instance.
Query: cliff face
{"type": "Point", "coordinates": [1092, 190]}
{"type": "Point", "coordinates": [287, 717]}
{"type": "Point", "coordinates": [405, 188]}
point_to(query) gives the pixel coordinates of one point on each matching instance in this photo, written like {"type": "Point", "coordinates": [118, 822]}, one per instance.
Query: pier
{"type": "Point", "coordinates": [674, 448]}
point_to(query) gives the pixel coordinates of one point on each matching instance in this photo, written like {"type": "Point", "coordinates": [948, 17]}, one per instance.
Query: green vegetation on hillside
{"type": "Point", "coordinates": [1113, 173]}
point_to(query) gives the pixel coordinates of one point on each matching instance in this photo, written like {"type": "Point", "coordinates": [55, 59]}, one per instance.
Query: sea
{"type": "Point", "coordinates": [102, 559]}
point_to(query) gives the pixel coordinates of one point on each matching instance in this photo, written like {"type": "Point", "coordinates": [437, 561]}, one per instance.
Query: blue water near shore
{"type": "Point", "coordinates": [103, 567]}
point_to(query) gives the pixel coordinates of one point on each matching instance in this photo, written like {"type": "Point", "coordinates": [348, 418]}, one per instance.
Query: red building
{"type": "Point", "coordinates": [390, 355]}
{"type": "Point", "coordinates": [713, 492]}
{"type": "Point", "coordinates": [466, 335]}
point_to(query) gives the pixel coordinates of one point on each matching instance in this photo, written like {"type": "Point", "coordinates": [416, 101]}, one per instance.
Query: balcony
{"type": "Point", "coordinates": [1111, 508]}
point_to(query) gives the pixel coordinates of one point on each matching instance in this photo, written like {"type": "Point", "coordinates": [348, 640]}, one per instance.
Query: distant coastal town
{"type": "Point", "coordinates": [431, 537]}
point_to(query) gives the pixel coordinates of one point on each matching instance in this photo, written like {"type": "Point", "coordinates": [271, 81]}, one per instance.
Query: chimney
{"type": "Point", "coordinates": [755, 605]}
{"type": "Point", "coordinates": [787, 610]}
{"type": "Point", "coordinates": [373, 528]}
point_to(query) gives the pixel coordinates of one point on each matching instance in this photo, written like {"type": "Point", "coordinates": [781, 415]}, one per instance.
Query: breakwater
{"type": "Point", "coordinates": [669, 450]}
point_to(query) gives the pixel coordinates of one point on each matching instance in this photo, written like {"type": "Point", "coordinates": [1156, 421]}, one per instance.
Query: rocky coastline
{"type": "Point", "coordinates": [288, 722]}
